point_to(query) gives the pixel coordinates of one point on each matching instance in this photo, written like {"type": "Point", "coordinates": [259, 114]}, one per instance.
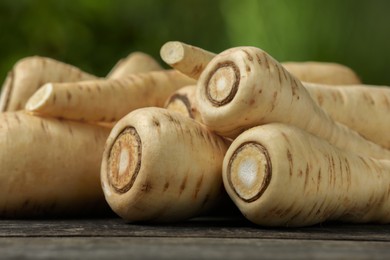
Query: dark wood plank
{"type": "Point", "coordinates": [188, 248]}
{"type": "Point", "coordinates": [196, 228]}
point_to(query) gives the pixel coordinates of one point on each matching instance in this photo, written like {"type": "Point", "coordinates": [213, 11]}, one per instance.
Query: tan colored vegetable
{"type": "Point", "coordinates": [280, 175]}
{"type": "Point", "coordinates": [49, 167]}
{"type": "Point", "coordinates": [245, 87]}
{"type": "Point", "coordinates": [185, 58]}
{"type": "Point", "coordinates": [192, 60]}
{"type": "Point", "coordinates": [183, 101]}
{"type": "Point", "coordinates": [31, 73]}
{"type": "Point", "coordinates": [106, 100]}
{"type": "Point", "coordinates": [136, 62]}
{"type": "Point", "coordinates": [161, 166]}
{"type": "Point", "coordinates": [363, 108]}
{"type": "Point", "coordinates": [322, 72]}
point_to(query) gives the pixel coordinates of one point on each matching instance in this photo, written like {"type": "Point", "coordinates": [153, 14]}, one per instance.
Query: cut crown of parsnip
{"type": "Point", "coordinates": [245, 87]}
{"type": "Point", "coordinates": [280, 175]}
{"type": "Point", "coordinates": [161, 166]}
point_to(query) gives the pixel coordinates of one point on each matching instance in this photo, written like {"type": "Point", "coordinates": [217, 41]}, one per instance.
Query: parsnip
{"type": "Point", "coordinates": [363, 108]}
{"type": "Point", "coordinates": [136, 62]}
{"type": "Point", "coordinates": [280, 175]}
{"type": "Point", "coordinates": [106, 100]}
{"type": "Point", "coordinates": [183, 101]}
{"type": "Point", "coordinates": [329, 73]}
{"type": "Point", "coordinates": [192, 60]}
{"type": "Point", "coordinates": [185, 58]}
{"type": "Point", "coordinates": [49, 167]}
{"type": "Point", "coordinates": [244, 87]}
{"type": "Point", "coordinates": [161, 166]}
{"type": "Point", "coordinates": [31, 73]}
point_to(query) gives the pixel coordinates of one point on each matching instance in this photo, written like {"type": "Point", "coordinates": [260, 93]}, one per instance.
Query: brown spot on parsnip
{"type": "Point", "coordinates": [198, 185]}
{"type": "Point", "coordinates": [248, 55]}
{"type": "Point", "coordinates": [166, 186]}
{"type": "Point", "coordinates": [279, 74]}
{"type": "Point", "coordinates": [68, 95]}
{"type": "Point", "coordinates": [248, 69]}
{"type": "Point", "coordinates": [156, 123]}
{"type": "Point", "coordinates": [146, 187]}
{"type": "Point", "coordinates": [290, 162]}
{"type": "Point", "coordinates": [197, 69]}
{"type": "Point", "coordinates": [183, 185]}
{"type": "Point", "coordinates": [266, 62]}
{"type": "Point", "coordinates": [318, 180]}
{"type": "Point", "coordinates": [258, 58]}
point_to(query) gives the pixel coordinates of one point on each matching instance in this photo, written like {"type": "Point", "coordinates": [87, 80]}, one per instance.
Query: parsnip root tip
{"type": "Point", "coordinates": [40, 97]}
{"type": "Point", "coordinates": [222, 83]}
{"type": "Point", "coordinates": [124, 160]}
{"type": "Point", "coordinates": [172, 52]}
{"type": "Point", "coordinates": [249, 171]}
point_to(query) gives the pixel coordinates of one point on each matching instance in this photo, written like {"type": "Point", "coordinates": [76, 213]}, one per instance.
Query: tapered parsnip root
{"type": "Point", "coordinates": [363, 108]}
{"type": "Point", "coordinates": [31, 73]}
{"type": "Point", "coordinates": [192, 60]}
{"type": "Point", "coordinates": [161, 166]}
{"type": "Point", "coordinates": [49, 167]}
{"type": "Point", "coordinates": [183, 101]}
{"type": "Point", "coordinates": [106, 100]}
{"type": "Point", "coordinates": [136, 62]}
{"type": "Point", "coordinates": [280, 175]}
{"type": "Point", "coordinates": [322, 72]}
{"type": "Point", "coordinates": [245, 87]}
{"type": "Point", "coordinates": [185, 58]}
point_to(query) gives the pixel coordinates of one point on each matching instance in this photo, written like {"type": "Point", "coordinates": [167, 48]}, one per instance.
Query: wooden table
{"type": "Point", "coordinates": [201, 238]}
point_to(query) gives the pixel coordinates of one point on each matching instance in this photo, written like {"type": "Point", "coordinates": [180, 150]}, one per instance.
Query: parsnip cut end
{"type": "Point", "coordinates": [249, 171]}
{"type": "Point", "coordinates": [222, 83]}
{"type": "Point", "coordinates": [172, 52]}
{"type": "Point", "coordinates": [40, 98]}
{"type": "Point", "coordinates": [124, 160]}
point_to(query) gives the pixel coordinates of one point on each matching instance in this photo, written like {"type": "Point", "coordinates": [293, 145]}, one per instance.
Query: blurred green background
{"type": "Point", "coordinates": [94, 35]}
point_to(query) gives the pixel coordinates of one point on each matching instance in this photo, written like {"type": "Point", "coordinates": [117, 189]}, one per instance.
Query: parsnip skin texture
{"type": "Point", "coordinates": [31, 73]}
{"type": "Point", "coordinates": [161, 166]}
{"type": "Point", "coordinates": [363, 108]}
{"type": "Point", "coordinates": [106, 100]}
{"type": "Point", "coordinates": [183, 101]}
{"type": "Point", "coordinates": [49, 168]}
{"type": "Point", "coordinates": [245, 87]}
{"type": "Point", "coordinates": [328, 73]}
{"type": "Point", "coordinates": [136, 62]}
{"type": "Point", "coordinates": [297, 179]}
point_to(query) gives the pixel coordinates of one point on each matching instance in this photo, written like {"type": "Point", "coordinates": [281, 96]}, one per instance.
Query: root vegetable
{"type": "Point", "coordinates": [322, 72]}
{"type": "Point", "coordinates": [245, 87]}
{"type": "Point", "coordinates": [363, 108]}
{"type": "Point", "coordinates": [31, 73]}
{"type": "Point", "coordinates": [136, 62]}
{"type": "Point", "coordinates": [161, 166]}
{"type": "Point", "coordinates": [183, 101]}
{"type": "Point", "coordinates": [280, 175]}
{"type": "Point", "coordinates": [185, 58]}
{"type": "Point", "coordinates": [192, 60]}
{"type": "Point", "coordinates": [106, 100]}
{"type": "Point", "coordinates": [49, 167]}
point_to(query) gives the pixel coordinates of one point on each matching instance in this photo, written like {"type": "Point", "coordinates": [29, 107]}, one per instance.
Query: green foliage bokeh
{"type": "Point", "coordinates": [93, 35]}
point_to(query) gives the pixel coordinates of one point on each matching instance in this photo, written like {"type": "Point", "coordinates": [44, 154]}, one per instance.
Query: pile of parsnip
{"type": "Point", "coordinates": [290, 144]}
